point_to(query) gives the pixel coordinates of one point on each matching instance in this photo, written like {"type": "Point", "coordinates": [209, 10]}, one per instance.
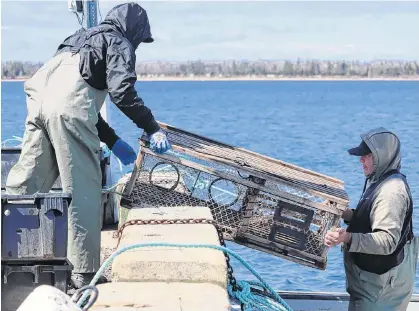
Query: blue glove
{"type": "Point", "coordinates": [159, 142]}
{"type": "Point", "coordinates": [124, 152]}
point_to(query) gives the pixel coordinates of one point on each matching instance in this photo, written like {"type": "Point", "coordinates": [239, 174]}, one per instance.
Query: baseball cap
{"type": "Point", "coordinates": [361, 150]}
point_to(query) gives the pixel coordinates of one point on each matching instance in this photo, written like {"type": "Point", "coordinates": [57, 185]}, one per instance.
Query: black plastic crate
{"type": "Point", "coordinates": [10, 155]}
{"type": "Point", "coordinates": [34, 227]}
{"type": "Point", "coordinates": [18, 281]}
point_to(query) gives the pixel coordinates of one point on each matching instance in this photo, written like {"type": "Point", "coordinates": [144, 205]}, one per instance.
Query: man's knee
{"type": "Point", "coordinates": [15, 184]}
{"type": "Point", "coordinates": [23, 182]}
{"type": "Point", "coordinates": [14, 190]}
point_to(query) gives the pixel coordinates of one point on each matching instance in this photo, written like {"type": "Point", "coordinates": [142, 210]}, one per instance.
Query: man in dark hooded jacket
{"type": "Point", "coordinates": [380, 249]}
{"type": "Point", "coordinates": [107, 61]}
{"type": "Point", "coordinates": [64, 127]}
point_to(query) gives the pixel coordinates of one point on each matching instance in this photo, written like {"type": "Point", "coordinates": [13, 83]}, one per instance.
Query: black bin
{"type": "Point", "coordinates": [34, 227]}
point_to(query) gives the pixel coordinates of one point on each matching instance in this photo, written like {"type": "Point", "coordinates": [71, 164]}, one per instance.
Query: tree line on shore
{"type": "Point", "coordinates": [238, 68]}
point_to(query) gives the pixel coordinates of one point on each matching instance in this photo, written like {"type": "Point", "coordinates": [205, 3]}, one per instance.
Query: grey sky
{"type": "Point", "coordinates": [213, 30]}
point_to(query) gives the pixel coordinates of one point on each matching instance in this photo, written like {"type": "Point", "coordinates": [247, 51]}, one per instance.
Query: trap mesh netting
{"type": "Point", "coordinates": [256, 201]}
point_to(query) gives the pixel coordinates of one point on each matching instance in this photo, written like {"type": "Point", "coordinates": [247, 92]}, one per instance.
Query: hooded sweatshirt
{"type": "Point", "coordinates": [391, 199]}
{"type": "Point", "coordinates": [107, 61]}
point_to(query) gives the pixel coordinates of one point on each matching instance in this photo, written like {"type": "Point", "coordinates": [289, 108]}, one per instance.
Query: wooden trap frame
{"type": "Point", "coordinates": [257, 201]}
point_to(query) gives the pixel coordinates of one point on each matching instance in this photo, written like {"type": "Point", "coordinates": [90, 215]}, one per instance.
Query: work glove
{"type": "Point", "coordinates": [159, 142]}
{"type": "Point", "coordinates": [124, 152]}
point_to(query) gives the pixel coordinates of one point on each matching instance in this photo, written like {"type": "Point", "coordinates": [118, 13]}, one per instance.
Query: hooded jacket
{"type": "Point", "coordinates": [107, 61]}
{"type": "Point", "coordinates": [383, 216]}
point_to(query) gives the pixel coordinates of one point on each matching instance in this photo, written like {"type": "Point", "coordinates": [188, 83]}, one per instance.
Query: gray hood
{"type": "Point", "coordinates": [385, 147]}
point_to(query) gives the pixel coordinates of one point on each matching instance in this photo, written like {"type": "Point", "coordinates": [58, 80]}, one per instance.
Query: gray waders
{"type": "Point", "coordinates": [61, 138]}
{"type": "Point", "coordinates": [390, 291]}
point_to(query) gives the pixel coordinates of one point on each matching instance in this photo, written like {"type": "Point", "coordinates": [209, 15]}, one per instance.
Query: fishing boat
{"type": "Point", "coordinates": [233, 183]}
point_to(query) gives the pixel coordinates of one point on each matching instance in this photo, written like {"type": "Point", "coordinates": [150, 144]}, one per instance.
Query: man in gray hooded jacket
{"type": "Point", "coordinates": [64, 127]}
{"type": "Point", "coordinates": [380, 250]}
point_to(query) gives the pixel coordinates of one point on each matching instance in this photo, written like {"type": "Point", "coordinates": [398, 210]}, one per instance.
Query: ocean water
{"type": "Point", "coordinates": [307, 123]}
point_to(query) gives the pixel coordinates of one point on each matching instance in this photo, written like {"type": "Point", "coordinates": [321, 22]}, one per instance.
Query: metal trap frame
{"type": "Point", "coordinates": [257, 201]}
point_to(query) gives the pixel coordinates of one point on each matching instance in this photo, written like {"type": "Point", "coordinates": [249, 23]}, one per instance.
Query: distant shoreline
{"type": "Point", "coordinates": [243, 78]}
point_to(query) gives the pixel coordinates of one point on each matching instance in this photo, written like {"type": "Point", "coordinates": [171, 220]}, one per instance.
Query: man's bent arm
{"type": "Point", "coordinates": [121, 78]}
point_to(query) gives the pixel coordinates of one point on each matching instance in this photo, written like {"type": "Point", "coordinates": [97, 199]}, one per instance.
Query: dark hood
{"type": "Point", "coordinates": [132, 21]}
{"type": "Point", "coordinates": [385, 147]}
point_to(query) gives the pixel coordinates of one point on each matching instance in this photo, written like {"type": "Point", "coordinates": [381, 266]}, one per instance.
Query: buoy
{"type": "Point", "coordinates": [49, 298]}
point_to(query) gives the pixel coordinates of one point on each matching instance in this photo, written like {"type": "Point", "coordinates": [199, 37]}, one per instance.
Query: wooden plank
{"type": "Point", "coordinates": [258, 174]}
{"type": "Point", "coordinates": [205, 142]}
{"type": "Point", "coordinates": [291, 166]}
{"type": "Point", "coordinates": [295, 180]}
{"type": "Point", "coordinates": [134, 175]}
{"type": "Point", "coordinates": [326, 195]}
{"type": "Point", "coordinates": [287, 197]}
{"type": "Point", "coordinates": [334, 189]}
{"type": "Point", "coordinates": [272, 160]}
{"type": "Point", "coordinates": [236, 154]}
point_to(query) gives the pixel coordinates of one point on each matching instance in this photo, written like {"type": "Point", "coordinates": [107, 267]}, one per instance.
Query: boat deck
{"type": "Point", "coordinates": [298, 301]}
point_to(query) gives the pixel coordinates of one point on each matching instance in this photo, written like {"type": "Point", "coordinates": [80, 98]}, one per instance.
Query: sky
{"type": "Point", "coordinates": [220, 30]}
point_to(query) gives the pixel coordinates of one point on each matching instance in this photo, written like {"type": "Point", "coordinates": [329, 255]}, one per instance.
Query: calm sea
{"type": "Point", "coordinates": [307, 123]}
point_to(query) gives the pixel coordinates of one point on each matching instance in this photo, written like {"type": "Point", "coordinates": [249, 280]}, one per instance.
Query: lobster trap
{"type": "Point", "coordinates": [257, 201]}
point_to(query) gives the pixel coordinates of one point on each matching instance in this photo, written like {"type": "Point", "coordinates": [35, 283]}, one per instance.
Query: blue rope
{"type": "Point", "coordinates": [244, 294]}
{"type": "Point", "coordinates": [14, 138]}
{"type": "Point", "coordinates": [251, 300]}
